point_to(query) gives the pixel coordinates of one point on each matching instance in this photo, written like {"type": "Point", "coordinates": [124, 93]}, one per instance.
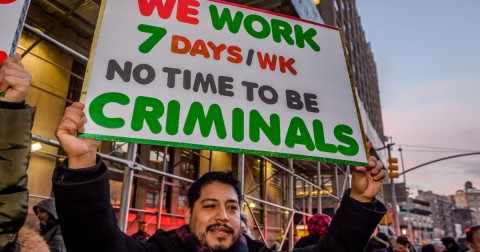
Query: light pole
{"type": "Point", "coordinates": [396, 219]}
{"type": "Point", "coordinates": [409, 223]}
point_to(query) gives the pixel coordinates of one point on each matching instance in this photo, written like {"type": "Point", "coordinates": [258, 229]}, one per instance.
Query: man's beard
{"type": "Point", "coordinates": [218, 247]}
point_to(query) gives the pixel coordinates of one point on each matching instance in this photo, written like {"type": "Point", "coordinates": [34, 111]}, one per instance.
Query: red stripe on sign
{"type": "Point", "coordinates": [7, 1]}
{"type": "Point", "coordinates": [273, 13]}
{"type": "Point", "coordinates": [3, 56]}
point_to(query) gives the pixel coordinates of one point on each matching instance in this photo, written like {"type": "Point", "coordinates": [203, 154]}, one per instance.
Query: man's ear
{"type": "Point", "coordinates": [187, 213]}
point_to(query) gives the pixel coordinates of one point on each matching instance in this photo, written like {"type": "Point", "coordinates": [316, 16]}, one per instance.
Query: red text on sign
{"type": "Point", "coordinates": [186, 9]}
{"type": "Point", "coordinates": [182, 45]}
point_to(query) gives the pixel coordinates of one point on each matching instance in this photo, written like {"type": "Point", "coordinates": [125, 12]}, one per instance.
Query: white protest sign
{"type": "Point", "coordinates": [12, 18]}
{"type": "Point", "coordinates": [219, 76]}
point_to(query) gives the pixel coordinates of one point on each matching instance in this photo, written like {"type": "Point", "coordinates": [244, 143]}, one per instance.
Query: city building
{"type": "Point", "coordinates": [55, 45]}
{"type": "Point", "coordinates": [441, 207]}
{"type": "Point", "coordinates": [468, 198]}
{"type": "Point", "coordinates": [344, 14]}
{"type": "Point", "coordinates": [463, 217]}
{"type": "Point", "coordinates": [416, 217]}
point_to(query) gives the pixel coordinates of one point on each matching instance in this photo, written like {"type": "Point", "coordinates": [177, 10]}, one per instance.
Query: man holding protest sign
{"type": "Point", "coordinates": [213, 219]}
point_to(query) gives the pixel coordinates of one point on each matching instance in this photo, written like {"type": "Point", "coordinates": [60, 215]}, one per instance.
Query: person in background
{"type": "Point", "coordinates": [403, 244]}
{"type": "Point", "coordinates": [16, 121]}
{"type": "Point", "coordinates": [473, 238]}
{"type": "Point", "coordinates": [276, 244]}
{"type": "Point", "coordinates": [49, 225]}
{"type": "Point", "coordinates": [428, 248]}
{"type": "Point", "coordinates": [317, 227]}
{"type": "Point", "coordinates": [244, 225]}
{"type": "Point", "coordinates": [142, 235]}
{"type": "Point", "coordinates": [439, 247]}
{"type": "Point", "coordinates": [435, 246]}
{"type": "Point", "coordinates": [379, 243]}
{"type": "Point", "coordinates": [393, 240]}
{"type": "Point", "coordinates": [451, 245]}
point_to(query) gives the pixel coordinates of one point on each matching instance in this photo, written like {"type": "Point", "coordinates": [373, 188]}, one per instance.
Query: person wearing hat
{"type": "Point", "coordinates": [473, 238]}
{"type": "Point", "coordinates": [49, 225]}
{"type": "Point", "coordinates": [451, 245]}
{"type": "Point", "coordinates": [317, 227]}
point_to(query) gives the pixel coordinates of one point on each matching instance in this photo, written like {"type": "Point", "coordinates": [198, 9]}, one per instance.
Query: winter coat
{"type": "Point", "coordinates": [16, 120]}
{"type": "Point", "coordinates": [89, 224]}
{"type": "Point", "coordinates": [141, 236]}
{"type": "Point", "coordinates": [51, 231]}
{"type": "Point", "coordinates": [305, 241]}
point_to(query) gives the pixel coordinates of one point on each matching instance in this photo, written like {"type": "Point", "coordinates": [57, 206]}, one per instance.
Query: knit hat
{"type": "Point", "coordinates": [318, 225]}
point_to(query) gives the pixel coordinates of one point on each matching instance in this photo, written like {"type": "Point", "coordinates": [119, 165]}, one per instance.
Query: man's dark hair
{"type": "Point", "coordinates": [143, 222]}
{"type": "Point", "coordinates": [470, 231]}
{"type": "Point", "coordinates": [428, 248]}
{"type": "Point", "coordinates": [448, 240]}
{"type": "Point", "coordinates": [403, 240]}
{"type": "Point", "coordinates": [229, 178]}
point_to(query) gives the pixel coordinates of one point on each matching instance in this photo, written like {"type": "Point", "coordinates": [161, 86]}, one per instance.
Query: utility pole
{"type": "Point", "coordinates": [409, 223]}
{"type": "Point", "coordinates": [392, 167]}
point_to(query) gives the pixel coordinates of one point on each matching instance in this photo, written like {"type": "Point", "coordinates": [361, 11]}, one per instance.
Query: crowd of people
{"type": "Point", "coordinates": [81, 218]}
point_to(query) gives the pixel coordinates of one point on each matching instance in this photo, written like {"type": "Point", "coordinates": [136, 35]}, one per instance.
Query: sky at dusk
{"type": "Point", "coordinates": [428, 61]}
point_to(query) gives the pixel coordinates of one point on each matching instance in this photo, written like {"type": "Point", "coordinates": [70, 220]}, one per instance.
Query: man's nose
{"type": "Point", "coordinates": [222, 214]}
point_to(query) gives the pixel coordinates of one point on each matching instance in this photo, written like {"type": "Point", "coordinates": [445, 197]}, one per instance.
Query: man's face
{"type": "Point", "coordinates": [143, 227]}
{"type": "Point", "coordinates": [243, 227]}
{"type": "Point", "coordinates": [215, 218]}
{"type": "Point", "coordinates": [42, 215]}
{"type": "Point", "coordinates": [474, 246]}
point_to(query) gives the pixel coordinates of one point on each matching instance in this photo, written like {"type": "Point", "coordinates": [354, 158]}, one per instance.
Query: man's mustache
{"type": "Point", "coordinates": [225, 226]}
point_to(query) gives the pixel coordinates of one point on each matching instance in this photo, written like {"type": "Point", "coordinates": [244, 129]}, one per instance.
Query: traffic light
{"type": "Point", "coordinates": [392, 168]}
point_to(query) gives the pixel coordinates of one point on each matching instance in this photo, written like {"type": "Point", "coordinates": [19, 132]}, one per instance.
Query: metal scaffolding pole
{"type": "Point", "coordinates": [291, 172]}
{"type": "Point", "coordinates": [310, 200]}
{"type": "Point", "coordinates": [162, 188]}
{"type": "Point", "coordinates": [263, 169]}
{"type": "Point", "coordinates": [336, 185]}
{"type": "Point", "coordinates": [210, 162]}
{"type": "Point", "coordinates": [291, 197]}
{"type": "Point", "coordinates": [319, 184]}
{"type": "Point", "coordinates": [241, 170]}
{"type": "Point", "coordinates": [127, 188]}
{"type": "Point", "coordinates": [256, 223]}
{"type": "Point", "coordinates": [60, 45]}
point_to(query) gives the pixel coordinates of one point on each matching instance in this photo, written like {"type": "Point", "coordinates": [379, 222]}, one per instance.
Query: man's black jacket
{"type": "Point", "coordinates": [88, 220]}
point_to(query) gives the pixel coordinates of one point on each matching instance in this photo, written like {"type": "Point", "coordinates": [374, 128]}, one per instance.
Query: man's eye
{"type": "Point", "coordinates": [208, 206]}
{"type": "Point", "coordinates": [233, 207]}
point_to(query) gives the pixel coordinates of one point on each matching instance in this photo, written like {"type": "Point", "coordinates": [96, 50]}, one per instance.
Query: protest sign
{"type": "Point", "coordinates": [220, 76]}
{"type": "Point", "coordinates": [12, 18]}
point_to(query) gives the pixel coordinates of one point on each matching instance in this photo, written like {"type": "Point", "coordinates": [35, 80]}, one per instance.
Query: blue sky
{"type": "Point", "coordinates": [428, 61]}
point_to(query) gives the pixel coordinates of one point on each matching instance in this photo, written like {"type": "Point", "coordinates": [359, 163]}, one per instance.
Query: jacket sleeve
{"type": "Point", "coordinates": [351, 226]}
{"type": "Point", "coordinates": [15, 137]}
{"type": "Point", "coordinates": [87, 219]}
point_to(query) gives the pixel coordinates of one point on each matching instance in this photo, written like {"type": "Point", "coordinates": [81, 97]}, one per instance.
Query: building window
{"type": "Point", "coordinates": [151, 199]}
